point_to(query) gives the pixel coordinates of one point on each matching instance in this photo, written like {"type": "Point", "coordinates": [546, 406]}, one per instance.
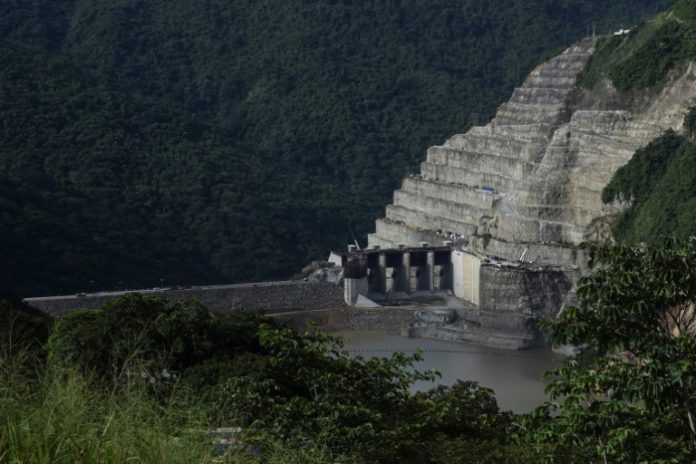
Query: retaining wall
{"type": "Point", "coordinates": [266, 296]}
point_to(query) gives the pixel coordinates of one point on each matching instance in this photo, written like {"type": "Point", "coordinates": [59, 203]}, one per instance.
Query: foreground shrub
{"type": "Point", "coordinates": [635, 400]}
{"type": "Point", "coordinates": [60, 417]}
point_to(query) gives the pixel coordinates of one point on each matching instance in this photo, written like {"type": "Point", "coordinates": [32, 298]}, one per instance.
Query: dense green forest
{"type": "Point", "coordinates": [660, 183]}
{"type": "Point", "coordinates": [144, 380]}
{"type": "Point", "coordinates": [189, 142]}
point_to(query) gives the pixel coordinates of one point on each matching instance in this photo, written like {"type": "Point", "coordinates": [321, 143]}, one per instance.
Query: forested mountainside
{"type": "Point", "coordinates": [189, 142]}
{"type": "Point", "coordinates": [659, 182]}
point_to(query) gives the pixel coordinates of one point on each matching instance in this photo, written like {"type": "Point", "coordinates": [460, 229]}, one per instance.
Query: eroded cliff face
{"type": "Point", "coordinates": [532, 178]}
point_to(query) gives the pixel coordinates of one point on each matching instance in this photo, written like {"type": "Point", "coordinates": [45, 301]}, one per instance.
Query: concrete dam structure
{"type": "Point", "coordinates": [525, 191]}
{"type": "Point", "coordinates": [453, 294]}
{"type": "Point", "coordinates": [276, 297]}
{"type": "Point", "coordinates": [532, 178]}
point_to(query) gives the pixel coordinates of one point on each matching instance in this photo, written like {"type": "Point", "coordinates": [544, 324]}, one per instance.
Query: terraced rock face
{"type": "Point", "coordinates": [532, 178]}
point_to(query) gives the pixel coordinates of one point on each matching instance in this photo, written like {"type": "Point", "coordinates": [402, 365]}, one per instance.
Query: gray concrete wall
{"type": "Point", "coordinates": [389, 320]}
{"type": "Point", "coordinates": [266, 296]}
{"type": "Point", "coordinates": [539, 294]}
{"type": "Point", "coordinates": [382, 320]}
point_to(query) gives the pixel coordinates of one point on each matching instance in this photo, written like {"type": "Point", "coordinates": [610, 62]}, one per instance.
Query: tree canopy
{"type": "Point", "coordinates": [630, 396]}
{"type": "Point", "coordinates": [627, 395]}
{"type": "Point", "coordinates": [297, 390]}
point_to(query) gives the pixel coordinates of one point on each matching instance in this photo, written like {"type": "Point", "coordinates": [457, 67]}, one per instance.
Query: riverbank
{"type": "Point", "coordinates": [447, 322]}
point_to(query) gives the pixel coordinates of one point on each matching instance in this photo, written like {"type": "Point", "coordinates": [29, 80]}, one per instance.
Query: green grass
{"type": "Point", "coordinates": [59, 417]}
{"type": "Point", "coordinates": [281, 454]}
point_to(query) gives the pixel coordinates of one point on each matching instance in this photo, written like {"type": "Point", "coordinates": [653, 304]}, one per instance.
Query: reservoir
{"type": "Point", "coordinates": [515, 376]}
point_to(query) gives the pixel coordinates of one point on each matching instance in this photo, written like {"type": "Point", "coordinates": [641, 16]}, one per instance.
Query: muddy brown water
{"type": "Point", "coordinates": [515, 376]}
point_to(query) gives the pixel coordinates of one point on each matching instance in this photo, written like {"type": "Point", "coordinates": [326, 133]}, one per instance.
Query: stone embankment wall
{"type": "Point", "coordinates": [509, 332]}
{"type": "Point", "coordinates": [390, 320]}
{"type": "Point", "coordinates": [537, 294]}
{"type": "Point", "coordinates": [499, 330]}
{"type": "Point", "coordinates": [383, 320]}
{"type": "Point", "coordinates": [493, 181]}
{"type": "Point", "coordinates": [266, 296]}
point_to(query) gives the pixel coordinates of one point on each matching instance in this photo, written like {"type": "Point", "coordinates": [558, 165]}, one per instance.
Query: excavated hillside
{"type": "Point", "coordinates": [532, 178]}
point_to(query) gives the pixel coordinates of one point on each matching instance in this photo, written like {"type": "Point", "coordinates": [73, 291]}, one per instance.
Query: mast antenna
{"type": "Point", "coordinates": [355, 240]}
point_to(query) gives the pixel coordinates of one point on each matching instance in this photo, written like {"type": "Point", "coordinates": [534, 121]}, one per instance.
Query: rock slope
{"type": "Point", "coordinates": [532, 178]}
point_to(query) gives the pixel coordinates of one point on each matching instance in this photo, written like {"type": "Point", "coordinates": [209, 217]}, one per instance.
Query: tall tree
{"type": "Point", "coordinates": [630, 395]}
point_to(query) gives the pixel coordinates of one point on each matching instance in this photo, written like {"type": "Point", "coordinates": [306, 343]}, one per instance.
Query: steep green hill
{"type": "Point", "coordinates": [686, 10]}
{"type": "Point", "coordinates": [660, 181]}
{"type": "Point", "coordinates": [189, 142]}
{"type": "Point", "coordinates": [643, 58]}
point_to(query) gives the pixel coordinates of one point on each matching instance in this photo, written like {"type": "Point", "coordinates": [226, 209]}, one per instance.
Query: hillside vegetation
{"type": "Point", "coordinates": [157, 379]}
{"type": "Point", "coordinates": [150, 142]}
{"type": "Point", "coordinates": [660, 182]}
{"type": "Point", "coordinates": [686, 10]}
{"type": "Point", "coordinates": [642, 58]}
{"type": "Point", "coordinates": [145, 380]}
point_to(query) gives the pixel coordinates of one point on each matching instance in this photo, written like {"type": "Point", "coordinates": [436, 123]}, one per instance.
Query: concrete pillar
{"type": "Point", "coordinates": [382, 272]}
{"type": "Point", "coordinates": [405, 273]}
{"type": "Point", "coordinates": [430, 269]}
{"type": "Point", "coordinates": [447, 277]}
{"type": "Point", "coordinates": [466, 276]}
{"type": "Point", "coordinates": [437, 281]}
{"type": "Point", "coordinates": [352, 288]}
{"type": "Point", "coordinates": [413, 278]}
{"type": "Point", "coordinates": [392, 280]}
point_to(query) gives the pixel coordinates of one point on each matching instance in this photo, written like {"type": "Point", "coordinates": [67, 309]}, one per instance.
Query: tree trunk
{"type": "Point", "coordinates": [692, 425]}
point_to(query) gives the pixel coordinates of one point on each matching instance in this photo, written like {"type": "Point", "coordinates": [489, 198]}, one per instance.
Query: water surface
{"type": "Point", "coordinates": [515, 376]}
